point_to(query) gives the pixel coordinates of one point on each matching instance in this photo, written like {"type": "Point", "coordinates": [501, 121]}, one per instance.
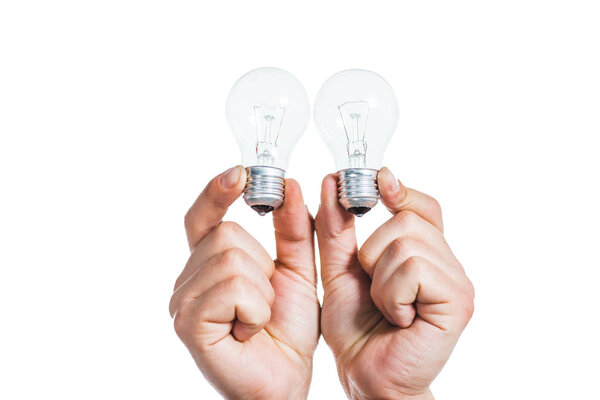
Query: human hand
{"type": "Point", "coordinates": [250, 323]}
{"type": "Point", "coordinates": [393, 311]}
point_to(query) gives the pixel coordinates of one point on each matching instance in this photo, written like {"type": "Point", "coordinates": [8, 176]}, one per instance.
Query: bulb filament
{"type": "Point", "coordinates": [354, 117]}
{"type": "Point", "coordinates": [268, 125]}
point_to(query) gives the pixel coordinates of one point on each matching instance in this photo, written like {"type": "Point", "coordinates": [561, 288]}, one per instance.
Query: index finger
{"type": "Point", "coordinates": [211, 205]}
{"type": "Point", "coordinates": [397, 197]}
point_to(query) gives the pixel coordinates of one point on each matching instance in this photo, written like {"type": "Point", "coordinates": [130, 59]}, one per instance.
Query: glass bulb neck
{"type": "Point", "coordinates": [266, 153]}
{"type": "Point", "coordinates": [357, 154]}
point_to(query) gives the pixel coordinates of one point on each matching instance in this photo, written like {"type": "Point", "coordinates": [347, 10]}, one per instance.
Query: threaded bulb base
{"type": "Point", "coordinates": [357, 190]}
{"type": "Point", "coordinates": [264, 188]}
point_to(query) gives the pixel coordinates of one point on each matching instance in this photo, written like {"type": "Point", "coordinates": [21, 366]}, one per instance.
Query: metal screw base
{"type": "Point", "coordinates": [357, 190]}
{"type": "Point", "coordinates": [264, 188]}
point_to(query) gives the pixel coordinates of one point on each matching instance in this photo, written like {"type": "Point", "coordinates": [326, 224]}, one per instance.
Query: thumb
{"type": "Point", "coordinates": [397, 197]}
{"type": "Point", "coordinates": [335, 233]}
{"type": "Point", "coordinates": [212, 204]}
{"type": "Point", "coordinates": [294, 233]}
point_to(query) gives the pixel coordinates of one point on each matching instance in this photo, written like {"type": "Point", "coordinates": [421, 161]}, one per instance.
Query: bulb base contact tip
{"type": "Point", "coordinates": [357, 190]}
{"type": "Point", "coordinates": [264, 188]}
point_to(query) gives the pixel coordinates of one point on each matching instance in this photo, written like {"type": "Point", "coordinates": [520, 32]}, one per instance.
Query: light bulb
{"type": "Point", "coordinates": [267, 110]}
{"type": "Point", "coordinates": [356, 113]}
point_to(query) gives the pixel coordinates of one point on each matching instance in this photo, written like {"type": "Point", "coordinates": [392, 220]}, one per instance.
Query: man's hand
{"type": "Point", "coordinates": [251, 323]}
{"type": "Point", "coordinates": [393, 311]}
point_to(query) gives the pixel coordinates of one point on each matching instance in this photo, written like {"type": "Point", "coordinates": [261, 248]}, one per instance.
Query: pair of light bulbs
{"type": "Point", "coordinates": [356, 113]}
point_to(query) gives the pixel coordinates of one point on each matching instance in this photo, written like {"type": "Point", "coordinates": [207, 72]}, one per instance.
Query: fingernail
{"type": "Point", "coordinates": [392, 181]}
{"type": "Point", "coordinates": [230, 177]}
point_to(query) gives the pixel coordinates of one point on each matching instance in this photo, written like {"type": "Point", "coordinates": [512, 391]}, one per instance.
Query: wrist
{"type": "Point", "coordinates": [361, 384]}
{"type": "Point", "coordinates": [427, 395]}
{"type": "Point", "coordinates": [355, 391]}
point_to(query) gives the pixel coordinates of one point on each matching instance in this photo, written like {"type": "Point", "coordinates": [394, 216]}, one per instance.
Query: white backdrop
{"type": "Point", "coordinates": [112, 121]}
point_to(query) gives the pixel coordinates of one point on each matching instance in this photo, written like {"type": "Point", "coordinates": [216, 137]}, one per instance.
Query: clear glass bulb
{"type": "Point", "coordinates": [267, 110]}
{"type": "Point", "coordinates": [356, 112]}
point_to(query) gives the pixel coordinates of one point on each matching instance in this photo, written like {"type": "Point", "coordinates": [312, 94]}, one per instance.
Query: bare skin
{"type": "Point", "coordinates": [250, 323]}
{"type": "Point", "coordinates": [393, 310]}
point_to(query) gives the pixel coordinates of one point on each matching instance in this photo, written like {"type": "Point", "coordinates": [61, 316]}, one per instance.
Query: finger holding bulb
{"type": "Point", "coordinates": [410, 262]}
{"type": "Point", "coordinates": [251, 324]}
{"type": "Point", "coordinates": [393, 309]}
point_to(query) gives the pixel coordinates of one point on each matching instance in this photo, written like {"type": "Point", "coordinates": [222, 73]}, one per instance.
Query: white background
{"type": "Point", "coordinates": [112, 121]}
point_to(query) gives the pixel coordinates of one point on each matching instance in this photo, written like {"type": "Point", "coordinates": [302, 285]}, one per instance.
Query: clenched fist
{"type": "Point", "coordinates": [251, 323]}
{"type": "Point", "coordinates": [393, 310]}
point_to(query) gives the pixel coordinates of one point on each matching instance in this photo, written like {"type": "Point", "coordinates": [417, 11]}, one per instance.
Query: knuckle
{"type": "Point", "coordinates": [401, 246]}
{"type": "Point", "coordinates": [470, 288]}
{"type": "Point", "coordinates": [364, 256]}
{"type": "Point", "coordinates": [435, 204]}
{"type": "Point", "coordinates": [187, 219]}
{"type": "Point", "coordinates": [375, 291]}
{"type": "Point", "coordinates": [396, 307]}
{"type": "Point", "coordinates": [172, 307]}
{"type": "Point", "coordinates": [226, 230]}
{"type": "Point", "coordinates": [270, 294]}
{"type": "Point", "coordinates": [233, 256]}
{"type": "Point", "coordinates": [264, 314]}
{"type": "Point", "coordinates": [469, 300]}
{"type": "Point", "coordinates": [468, 307]}
{"type": "Point", "coordinates": [237, 283]}
{"type": "Point", "coordinates": [406, 219]}
{"type": "Point", "coordinates": [389, 296]}
{"type": "Point", "coordinates": [412, 266]}
{"type": "Point", "coordinates": [181, 322]}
